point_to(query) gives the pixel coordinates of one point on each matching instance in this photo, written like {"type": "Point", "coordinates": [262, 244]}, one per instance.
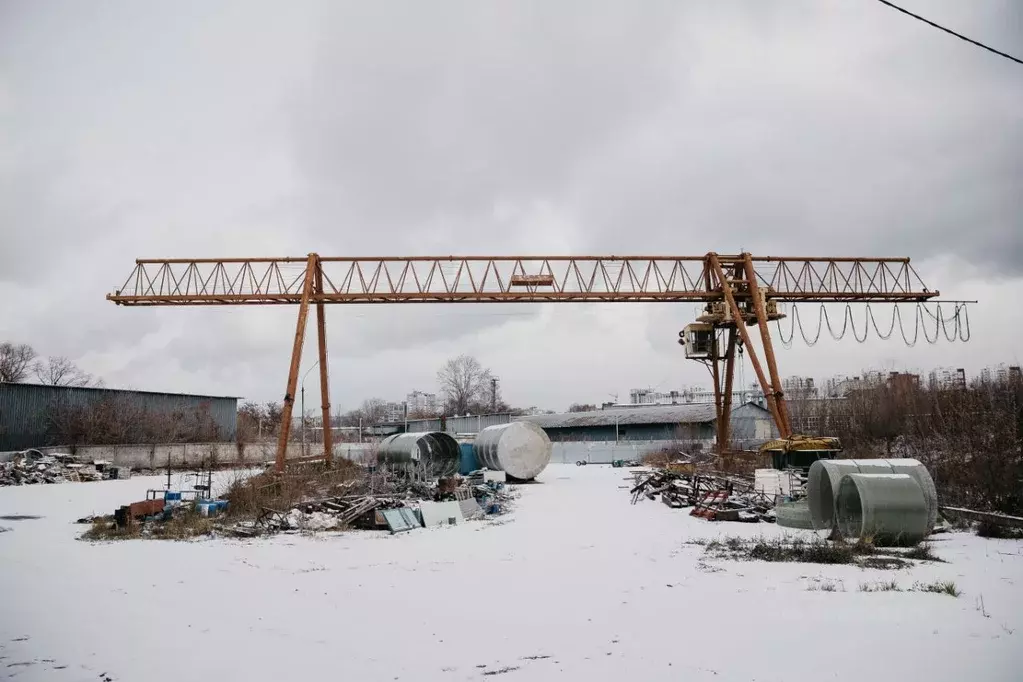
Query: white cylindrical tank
{"type": "Point", "coordinates": [885, 509]}
{"type": "Point", "coordinates": [520, 449]}
{"type": "Point", "coordinates": [826, 474]}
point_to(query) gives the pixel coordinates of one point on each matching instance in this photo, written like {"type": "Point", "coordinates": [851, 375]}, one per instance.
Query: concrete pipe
{"type": "Point", "coordinates": [825, 475]}
{"type": "Point", "coordinates": [520, 449]}
{"type": "Point", "coordinates": [793, 515]}
{"type": "Point", "coordinates": [434, 453]}
{"type": "Point", "coordinates": [887, 509]}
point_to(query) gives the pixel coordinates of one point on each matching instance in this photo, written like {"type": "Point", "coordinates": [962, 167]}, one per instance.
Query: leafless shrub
{"type": "Point", "coordinates": [247, 496]}
{"type": "Point", "coordinates": [117, 419]}
{"type": "Point", "coordinates": [987, 529]}
{"type": "Point", "coordinates": [970, 437]}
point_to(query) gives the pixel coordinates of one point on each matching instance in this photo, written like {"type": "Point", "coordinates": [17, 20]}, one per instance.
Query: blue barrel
{"type": "Point", "coordinates": [467, 462]}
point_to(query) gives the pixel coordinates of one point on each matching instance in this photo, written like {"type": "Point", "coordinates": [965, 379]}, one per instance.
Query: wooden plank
{"type": "Point", "coordinates": [992, 517]}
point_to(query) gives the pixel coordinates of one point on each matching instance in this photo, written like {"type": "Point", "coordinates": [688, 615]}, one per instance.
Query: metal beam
{"type": "Point", "coordinates": [321, 334]}
{"type": "Point", "coordinates": [725, 434]}
{"type": "Point", "coordinates": [785, 425]}
{"type": "Point", "coordinates": [296, 359]}
{"type": "Point", "coordinates": [496, 279]}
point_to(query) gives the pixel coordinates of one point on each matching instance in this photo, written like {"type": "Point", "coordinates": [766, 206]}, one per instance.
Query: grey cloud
{"type": "Point", "coordinates": [236, 128]}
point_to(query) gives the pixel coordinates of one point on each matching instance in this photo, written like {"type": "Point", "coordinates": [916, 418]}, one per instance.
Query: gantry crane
{"type": "Point", "coordinates": [739, 291]}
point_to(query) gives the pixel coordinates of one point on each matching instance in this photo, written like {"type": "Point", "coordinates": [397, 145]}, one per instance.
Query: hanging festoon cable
{"type": "Point", "coordinates": [953, 327]}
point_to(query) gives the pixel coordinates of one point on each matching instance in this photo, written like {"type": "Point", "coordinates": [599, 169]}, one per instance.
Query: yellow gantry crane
{"type": "Point", "coordinates": [739, 292]}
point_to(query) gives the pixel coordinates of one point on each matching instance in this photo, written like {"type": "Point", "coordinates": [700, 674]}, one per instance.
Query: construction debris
{"type": "Point", "coordinates": [713, 496]}
{"type": "Point", "coordinates": [32, 467]}
{"type": "Point", "coordinates": [380, 501]}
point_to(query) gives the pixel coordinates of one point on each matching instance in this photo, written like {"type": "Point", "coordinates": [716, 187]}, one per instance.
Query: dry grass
{"type": "Point", "coordinates": [826, 586]}
{"type": "Point", "coordinates": [103, 528]}
{"type": "Point", "coordinates": [938, 587]}
{"type": "Point", "coordinates": [184, 525]}
{"type": "Point", "coordinates": [798, 550]}
{"type": "Point", "coordinates": [923, 552]}
{"type": "Point", "coordinates": [883, 586]}
{"type": "Point", "coordinates": [282, 492]}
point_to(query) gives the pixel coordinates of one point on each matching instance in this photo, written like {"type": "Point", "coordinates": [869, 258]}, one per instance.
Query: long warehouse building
{"type": "Point", "coordinates": [33, 415]}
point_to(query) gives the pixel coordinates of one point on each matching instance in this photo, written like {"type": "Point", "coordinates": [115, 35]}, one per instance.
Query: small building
{"type": "Point", "coordinates": [696, 422]}
{"type": "Point", "coordinates": [33, 415]}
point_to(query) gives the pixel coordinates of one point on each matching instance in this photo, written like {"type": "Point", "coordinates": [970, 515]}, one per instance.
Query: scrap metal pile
{"type": "Point", "coordinates": [384, 502]}
{"type": "Point", "coordinates": [32, 467]}
{"type": "Point", "coordinates": [714, 496]}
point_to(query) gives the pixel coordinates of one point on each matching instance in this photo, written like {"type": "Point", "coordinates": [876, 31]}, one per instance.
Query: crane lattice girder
{"type": "Point", "coordinates": [490, 279]}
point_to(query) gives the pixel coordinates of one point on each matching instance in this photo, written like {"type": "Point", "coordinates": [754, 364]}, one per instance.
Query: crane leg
{"type": "Point", "coordinates": [725, 422]}
{"type": "Point", "coordinates": [321, 333]}
{"type": "Point", "coordinates": [784, 424]}
{"type": "Point", "coordinates": [740, 326]}
{"type": "Point", "coordinates": [296, 359]}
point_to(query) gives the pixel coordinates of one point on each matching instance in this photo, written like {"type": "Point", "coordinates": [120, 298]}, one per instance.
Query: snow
{"type": "Point", "coordinates": [574, 584]}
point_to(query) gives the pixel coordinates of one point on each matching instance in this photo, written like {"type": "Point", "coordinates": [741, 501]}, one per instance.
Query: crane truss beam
{"type": "Point", "coordinates": [536, 279]}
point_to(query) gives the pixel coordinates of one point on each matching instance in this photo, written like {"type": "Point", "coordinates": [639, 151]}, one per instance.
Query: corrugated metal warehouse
{"type": "Point", "coordinates": [33, 415]}
{"type": "Point", "coordinates": [751, 424]}
{"type": "Point", "coordinates": [695, 422]}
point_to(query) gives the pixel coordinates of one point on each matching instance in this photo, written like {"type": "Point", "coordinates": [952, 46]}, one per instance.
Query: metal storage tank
{"type": "Point", "coordinates": [520, 449]}
{"type": "Point", "coordinates": [884, 508]}
{"type": "Point", "coordinates": [438, 453]}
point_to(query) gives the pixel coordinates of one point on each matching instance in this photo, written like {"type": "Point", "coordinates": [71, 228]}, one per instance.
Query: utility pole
{"type": "Point", "coordinates": [493, 394]}
{"type": "Point", "coordinates": [304, 453]}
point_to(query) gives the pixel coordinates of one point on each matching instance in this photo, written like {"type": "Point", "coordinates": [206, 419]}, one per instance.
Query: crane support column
{"type": "Point", "coordinates": [785, 424]}
{"type": "Point", "coordinates": [725, 423]}
{"type": "Point", "coordinates": [296, 360]}
{"type": "Point", "coordinates": [740, 326]}
{"type": "Point", "coordinates": [321, 333]}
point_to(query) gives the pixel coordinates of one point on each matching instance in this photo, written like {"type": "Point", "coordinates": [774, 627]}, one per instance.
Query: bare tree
{"type": "Point", "coordinates": [465, 384]}
{"type": "Point", "coordinates": [581, 407]}
{"type": "Point", "coordinates": [60, 371]}
{"type": "Point", "coordinates": [258, 420]}
{"type": "Point", "coordinates": [15, 361]}
{"type": "Point", "coordinates": [373, 410]}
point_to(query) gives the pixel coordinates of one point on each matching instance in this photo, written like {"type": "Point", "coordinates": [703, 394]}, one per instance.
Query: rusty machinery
{"type": "Point", "coordinates": [738, 292]}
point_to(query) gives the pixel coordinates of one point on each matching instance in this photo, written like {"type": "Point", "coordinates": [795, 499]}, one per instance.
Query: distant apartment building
{"type": "Point", "coordinates": [423, 403]}
{"type": "Point", "coordinates": [841, 387]}
{"type": "Point", "coordinates": [947, 377]}
{"type": "Point", "coordinates": [648, 396]}
{"type": "Point", "coordinates": [799, 388]}
{"type": "Point", "coordinates": [394, 412]}
{"type": "Point", "coordinates": [903, 380]}
{"type": "Point", "coordinates": [690, 395]}
{"type": "Point", "coordinates": [1000, 374]}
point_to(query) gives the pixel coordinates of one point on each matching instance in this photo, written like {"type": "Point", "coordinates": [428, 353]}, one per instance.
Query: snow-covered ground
{"type": "Point", "coordinates": [577, 584]}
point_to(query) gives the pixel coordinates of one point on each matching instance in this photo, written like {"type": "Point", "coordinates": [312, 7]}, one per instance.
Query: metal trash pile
{"type": "Point", "coordinates": [714, 496]}
{"type": "Point", "coordinates": [33, 467]}
{"type": "Point", "coordinates": [386, 502]}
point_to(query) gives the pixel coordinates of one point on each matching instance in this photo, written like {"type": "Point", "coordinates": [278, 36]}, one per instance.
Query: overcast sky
{"type": "Point", "coordinates": [206, 129]}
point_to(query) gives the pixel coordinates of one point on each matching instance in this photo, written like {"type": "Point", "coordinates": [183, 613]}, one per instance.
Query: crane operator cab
{"type": "Point", "coordinates": [699, 339]}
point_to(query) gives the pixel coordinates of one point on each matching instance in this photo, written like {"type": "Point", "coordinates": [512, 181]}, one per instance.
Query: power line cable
{"type": "Point", "coordinates": [950, 31]}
